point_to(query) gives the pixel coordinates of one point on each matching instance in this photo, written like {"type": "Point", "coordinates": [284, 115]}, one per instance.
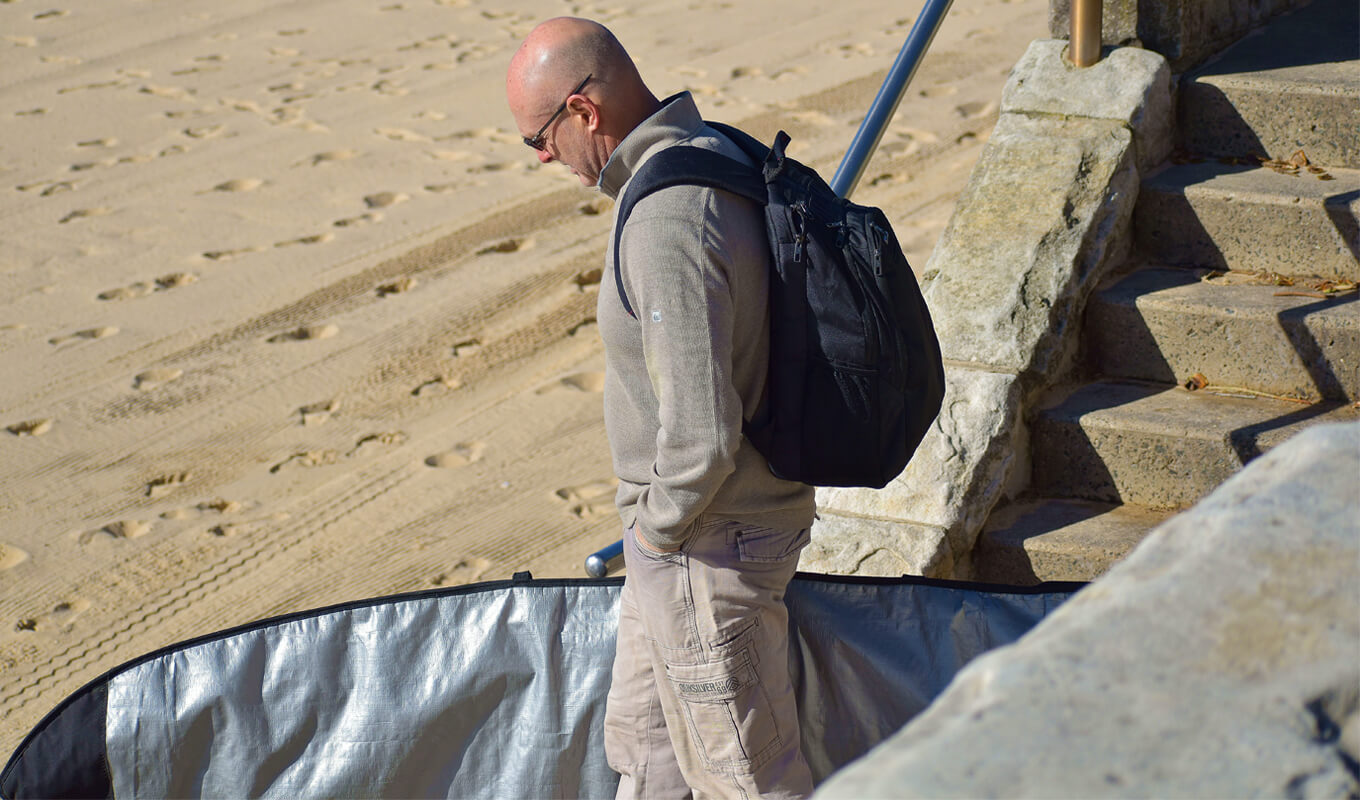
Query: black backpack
{"type": "Point", "coordinates": [855, 373]}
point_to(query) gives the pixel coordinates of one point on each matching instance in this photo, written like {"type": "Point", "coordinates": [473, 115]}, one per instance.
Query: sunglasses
{"type": "Point", "coordinates": [537, 141]}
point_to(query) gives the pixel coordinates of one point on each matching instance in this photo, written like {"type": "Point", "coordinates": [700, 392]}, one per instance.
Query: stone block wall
{"type": "Point", "coordinates": [1184, 31]}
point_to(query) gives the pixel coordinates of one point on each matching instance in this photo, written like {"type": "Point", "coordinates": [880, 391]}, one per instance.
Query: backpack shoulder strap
{"type": "Point", "coordinates": [684, 165]}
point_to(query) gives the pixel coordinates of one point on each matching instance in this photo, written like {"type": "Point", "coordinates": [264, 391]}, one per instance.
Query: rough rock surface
{"type": "Point", "coordinates": [1128, 85]}
{"type": "Point", "coordinates": [1048, 205]}
{"type": "Point", "coordinates": [878, 548]}
{"type": "Point", "coordinates": [1220, 659]}
{"type": "Point", "coordinates": [1046, 212]}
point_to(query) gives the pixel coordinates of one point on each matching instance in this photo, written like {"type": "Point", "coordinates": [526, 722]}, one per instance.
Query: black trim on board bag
{"type": "Point", "coordinates": [94, 693]}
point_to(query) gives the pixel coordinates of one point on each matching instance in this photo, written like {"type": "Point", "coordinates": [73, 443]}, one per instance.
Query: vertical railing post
{"type": "Point", "coordinates": [1083, 48]}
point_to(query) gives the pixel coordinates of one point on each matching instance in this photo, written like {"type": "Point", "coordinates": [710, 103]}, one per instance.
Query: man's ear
{"type": "Point", "coordinates": [585, 108]}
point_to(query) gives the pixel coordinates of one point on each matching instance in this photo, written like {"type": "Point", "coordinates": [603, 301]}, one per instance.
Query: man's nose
{"type": "Point", "coordinates": [544, 156]}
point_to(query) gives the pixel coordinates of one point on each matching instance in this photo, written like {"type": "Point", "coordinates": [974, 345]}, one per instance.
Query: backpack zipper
{"type": "Point", "coordinates": [877, 236]}
{"type": "Point", "coordinates": [800, 238]}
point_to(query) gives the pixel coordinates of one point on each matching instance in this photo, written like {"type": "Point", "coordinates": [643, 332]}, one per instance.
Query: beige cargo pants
{"type": "Point", "coordinates": [701, 698]}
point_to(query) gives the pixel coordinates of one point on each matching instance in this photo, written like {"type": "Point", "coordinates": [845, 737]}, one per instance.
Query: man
{"type": "Point", "coordinates": [701, 699]}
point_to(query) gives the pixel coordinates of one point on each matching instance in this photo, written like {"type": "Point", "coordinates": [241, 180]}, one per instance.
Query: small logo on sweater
{"type": "Point", "coordinates": [656, 316]}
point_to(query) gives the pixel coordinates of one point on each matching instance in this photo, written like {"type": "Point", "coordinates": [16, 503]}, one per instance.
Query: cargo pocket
{"type": "Point", "coordinates": [755, 544]}
{"type": "Point", "coordinates": [728, 712]}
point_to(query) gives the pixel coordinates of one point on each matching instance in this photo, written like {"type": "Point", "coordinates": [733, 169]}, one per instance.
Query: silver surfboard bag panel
{"type": "Point", "coordinates": [493, 690]}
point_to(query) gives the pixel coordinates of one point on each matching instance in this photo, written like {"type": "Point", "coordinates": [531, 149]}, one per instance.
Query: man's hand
{"type": "Point", "coordinates": [645, 545]}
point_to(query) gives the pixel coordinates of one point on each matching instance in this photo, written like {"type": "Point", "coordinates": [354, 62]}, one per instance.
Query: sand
{"type": "Point", "coordinates": [289, 316]}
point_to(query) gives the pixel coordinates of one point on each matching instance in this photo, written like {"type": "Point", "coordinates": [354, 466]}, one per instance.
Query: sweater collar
{"type": "Point", "coordinates": [677, 119]}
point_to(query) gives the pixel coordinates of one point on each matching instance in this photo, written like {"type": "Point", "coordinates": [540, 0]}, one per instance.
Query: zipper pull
{"type": "Point", "coordinates": [877, 235]}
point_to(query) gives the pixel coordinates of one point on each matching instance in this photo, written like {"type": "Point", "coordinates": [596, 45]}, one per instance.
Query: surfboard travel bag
{"type": "Point", "coordinates": [491, 690]}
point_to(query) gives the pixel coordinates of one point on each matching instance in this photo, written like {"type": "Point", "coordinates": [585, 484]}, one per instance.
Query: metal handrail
{"type": "Point", "coordinates": [889, 96]}
{"type": "Point", "coordinates": [852, 166]}
{"type": "Point", "coordinates": [1083, 46]}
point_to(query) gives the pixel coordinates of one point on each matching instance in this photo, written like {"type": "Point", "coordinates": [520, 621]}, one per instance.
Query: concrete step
{"type": "Point", "coordinates": [1157, 446]}
{"type": "Point", "coordinates": [1293, 85]}
{"type": "Point", "coordinates": [1055, 539]}
{"type": "Point", "coordinates": [1165, 325]}
{"type": "Point", "coordinates": [1251, 218]}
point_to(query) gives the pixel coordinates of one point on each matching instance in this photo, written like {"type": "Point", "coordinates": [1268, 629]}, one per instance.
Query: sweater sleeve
{"type": "Point", "coordinates": [677, 272]}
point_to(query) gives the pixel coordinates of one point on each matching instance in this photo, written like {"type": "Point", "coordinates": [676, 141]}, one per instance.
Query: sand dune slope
{"type": "Point", "coordinates": [289, 316]}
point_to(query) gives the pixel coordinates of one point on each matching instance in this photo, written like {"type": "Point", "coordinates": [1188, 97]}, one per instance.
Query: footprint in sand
{"type": "Point", "coordinates": [168, 92]}
{"type": "Point", "coordinates": [238, 185]}
{"type": "Point", "coordinates": [596, 207]}
{"type": "Point", "coordinates": [165, 484]}
{"type": "Point", "coordinates": [204, 132]}
{"type": "Point", "coordinates": [367, 218]}
{"type": "Point", "coordinates": [122, 529]}
{"type": "Point", "coordinates": [164, 283]}
{"type": "Point", "coordinates": [88, 334]}
{"type": "Point", "coordinates": [437, 385]}
{"type": "Point", "coordinates": [399, 286]}
{"type": "Point", "coordinates": [507, 246]}
{"type": "Point", "coordinates": [590, 500]}
{"type": "Point", "coordinates": [460, 455]}
{"type": "Point", "coordinates": [153, 378]}
{"type": "Point", "coordinates": [57, 187]}
{"type": "Point", "coordinates": [61, 615]}
{"type": "Point", "coordinates": [975, 109]}
{"type": "Point", "coordinates": [120, 82]}
{"type": "Point", "coordinates": [310, 458]}
{"type": "Point", "coordinates": [401, 135]}
{"type": "Point", "coordinates": [83, 213]}
{"type": "Point", "coordinates": [227, 255]}
{"type": "Point", "coordinates": [462, 571]}
{"type": "Point", "coordinates": [329, 157]}
{"type": "Point", "coordinates": [220, 506]}
{"type": "Point", "coordinates": [444, 188]}
{"type": "Point", "coordinates": [385, 199]}
{"type": "Point", "coordinates": [319, 413]}
{"type": "Point", "coordinates": [88, 165]}
{"type": "Point", "coordinates": [390, 88]}
{"type": "Point", "coordinates": [320, 238]}
{"type": "Point", "coordinates": [466, 348]}
{"type": "Point", "coordinates": [31, 427]}
{"type": "Point", "coordinates": [30, 112]}
{"type": "Point", "coordinates": [580, 381]}
{"type": "Point", "coordinates": [305, 333]}
{"type": "Point", "coordinates": [105, 142]}
{"type": "Point", "coordinates": [587, 278]}
{"type": "Point", "coordinates": [388, 439]}
{"type": "Point", "coordinates": [939, 91]}
{"type": "Point", "coordinates": [11, 556]}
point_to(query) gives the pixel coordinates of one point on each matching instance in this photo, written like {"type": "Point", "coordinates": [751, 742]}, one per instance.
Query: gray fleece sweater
{"type": "Point", "coordinates": [679, 378]}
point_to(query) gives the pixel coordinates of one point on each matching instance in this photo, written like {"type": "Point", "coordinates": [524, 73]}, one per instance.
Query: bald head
{"type": "Point", "coordinates": [554, 59]}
